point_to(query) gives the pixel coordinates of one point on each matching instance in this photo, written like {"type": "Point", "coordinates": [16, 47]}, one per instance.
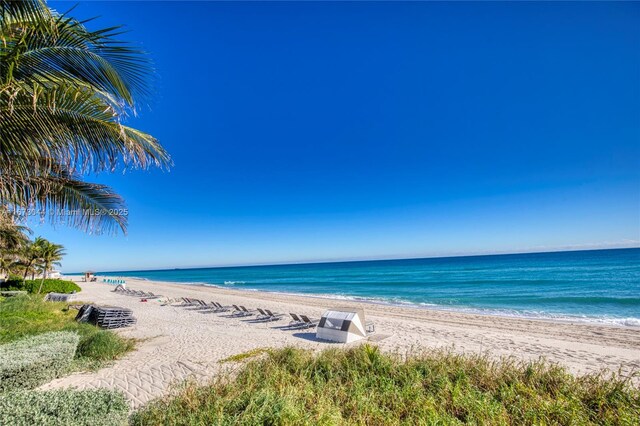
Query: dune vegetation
{"type": "Point", "coordinates": [364, 386]}
{"type": "Point", "coordinates": [28, 315]}
{"type": "Point", "coordinates": [40, 341]}
{"type": "Point", "coordinates": [94, 407]}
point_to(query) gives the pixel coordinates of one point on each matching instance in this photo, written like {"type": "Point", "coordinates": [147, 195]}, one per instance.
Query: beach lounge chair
{"type": "Point", "coordinates": [296, 321]}
{"type": "Point", "coordinates": [199, 303]}
{"type": "Point", "coordinates": [195, 303]}
{"type": "Point", "coordinates": [246, 312]}
{"type": "Point", "coordinates": [209, 306]}
{"type": "Point", "coordinates": [188, 302]}
{"type": "Point", "coordinates": [263, 315]}
{"type": "Point", "coordinates": [273, 316]}
{"type": "Point", "coordinates": [215, 307]}
{"type": "Point", "coordinates": [222, 308]}
{"type": "Point", "coordinates": [59, 297]}
{"type": "Point", "coordinates": [309, 323]}
{"type": "Point", "coordinates": [237, 312]}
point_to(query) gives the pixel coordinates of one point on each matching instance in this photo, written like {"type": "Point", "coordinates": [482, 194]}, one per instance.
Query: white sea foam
{"type": "Point", "coordinates": [540, 315]}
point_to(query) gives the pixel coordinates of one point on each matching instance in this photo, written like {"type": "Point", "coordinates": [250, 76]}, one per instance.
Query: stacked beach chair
{"type": "Point", "coordinates": [106, 316]}
{"type": "Point", "coordinates": [60, 297]}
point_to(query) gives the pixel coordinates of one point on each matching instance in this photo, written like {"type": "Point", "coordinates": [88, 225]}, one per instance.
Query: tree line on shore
{"type": "Point", "coordinates": [24, 256]}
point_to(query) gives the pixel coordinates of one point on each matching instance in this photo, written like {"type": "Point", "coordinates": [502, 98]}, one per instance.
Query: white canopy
{"type": "Point", "coordinates": [342, 325]}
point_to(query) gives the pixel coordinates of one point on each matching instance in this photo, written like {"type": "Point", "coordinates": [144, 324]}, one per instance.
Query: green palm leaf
{"type": "Point", "coordinates": [63, 198]}
{"type": "Point", "coordinates": [65, 92]}
{"type": "Point", "coordinates": [74, 127]}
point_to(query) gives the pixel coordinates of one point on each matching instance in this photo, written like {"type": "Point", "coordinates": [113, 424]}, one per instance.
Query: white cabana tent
{"type": "Point", "coordinates": [342, 325]}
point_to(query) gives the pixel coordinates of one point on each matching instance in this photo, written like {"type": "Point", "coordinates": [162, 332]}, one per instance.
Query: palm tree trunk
{"type": "Point", "coordinates": [45, 268]}
{"type": "Point", "coordinates": [26, 270]}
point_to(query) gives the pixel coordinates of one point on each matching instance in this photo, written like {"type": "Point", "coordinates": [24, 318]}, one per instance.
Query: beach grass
{"type": "Point", "coordinates": [364, 386]}
{"type": "Point", "coordinates": [27, 315]}
{"type": "Point", "coordinates": [243, 356]}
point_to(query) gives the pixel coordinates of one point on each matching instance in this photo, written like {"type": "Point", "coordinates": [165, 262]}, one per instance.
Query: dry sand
{"type": "Point", "coordinates": [182, 342]}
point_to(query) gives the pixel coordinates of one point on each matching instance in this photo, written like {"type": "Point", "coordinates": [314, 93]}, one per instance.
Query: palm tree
{"type": "Point", "coordinates": [50, 254]}
{"type": "Point", "coordinates": [12, 236]}
{"type": "Point", "coordinates": [32, 255]}
{"type": "Point", "coordinates": [20, 266]}
{"type": "Point", "coordinates": [6, 264]}
{"type": "Point", "coordinates": [65, 92]}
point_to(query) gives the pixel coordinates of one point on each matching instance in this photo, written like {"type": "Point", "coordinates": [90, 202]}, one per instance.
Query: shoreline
{"type": "Point", "coordinates": [395, 311]}
{"type": "Point", "coordinates": [605, 321]}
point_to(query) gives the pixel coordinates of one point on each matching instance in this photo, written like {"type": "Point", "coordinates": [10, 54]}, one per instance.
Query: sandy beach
{"type": "Point", "coordinates": [177, 343]}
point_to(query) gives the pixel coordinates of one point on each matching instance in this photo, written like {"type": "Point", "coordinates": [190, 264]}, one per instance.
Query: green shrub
{"type": "Point", "coordinates": [32, 361]}
{"type": "Point", "coordinates": [13, 282]}
{"type": "Point", "coordinates": [27, 315]}
{"type": "Point", "coordinates": [51, 285]}
{"type": "Point", "coordinates": [98, 407]}
{"type": "Point", "coordinates": [364, 386]}
{"type": "Point", "coordinates": [103, 345]}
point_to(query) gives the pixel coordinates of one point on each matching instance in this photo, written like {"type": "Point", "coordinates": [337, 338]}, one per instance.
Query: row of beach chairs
{"type": "Point", "coordinates": [259, 314]}
{"type": "Point", "coordinates": [136, 293]}
{"type": "Point", "coordinates": [235, 311]}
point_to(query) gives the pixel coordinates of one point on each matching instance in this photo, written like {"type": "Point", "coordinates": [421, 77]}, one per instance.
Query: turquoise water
{"type": "Point", "coordinates": [599, 286]}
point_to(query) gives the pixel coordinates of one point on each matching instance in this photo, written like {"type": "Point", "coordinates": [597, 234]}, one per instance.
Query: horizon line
{"type": "Point", "coordinates": [356, 260]}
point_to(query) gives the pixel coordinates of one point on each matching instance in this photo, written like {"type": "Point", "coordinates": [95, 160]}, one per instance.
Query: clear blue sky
{"type": "Point", "coordinates": [316, 131]}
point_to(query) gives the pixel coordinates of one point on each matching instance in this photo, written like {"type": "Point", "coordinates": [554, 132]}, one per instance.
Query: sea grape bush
{"type": "Point", "coordinates": [13, 282]}
{"type": "Point", "coordinates": [51, 285]}
{"type": "Point", "coordinates": [32, 286]}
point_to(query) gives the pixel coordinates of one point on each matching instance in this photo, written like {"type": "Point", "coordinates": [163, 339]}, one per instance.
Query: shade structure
{"type": "Point", "coordinates": [342, 325]}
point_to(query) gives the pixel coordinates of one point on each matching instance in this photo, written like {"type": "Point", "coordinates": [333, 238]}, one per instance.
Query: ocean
{"type": "Point", "coordinates": [593, 286]}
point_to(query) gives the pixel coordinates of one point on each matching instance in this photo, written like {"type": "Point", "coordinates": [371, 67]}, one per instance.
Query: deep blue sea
{"type": "Point", "coordinates": [598, 286]}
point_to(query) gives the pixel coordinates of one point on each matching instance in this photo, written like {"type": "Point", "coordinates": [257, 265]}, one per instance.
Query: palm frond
{"type": "Point", "coordinates": [72, 127]}
{"type": "Point", "coordinates": [62, 198]}
{"type": "Point", "coordinates": [59, 48]}
{"type": "Point", "coordinates": [12, 235]}
{"type": "Point", "coordinates": [22, 11]}
{"type": "Point", "coordinates": [65, 92]}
